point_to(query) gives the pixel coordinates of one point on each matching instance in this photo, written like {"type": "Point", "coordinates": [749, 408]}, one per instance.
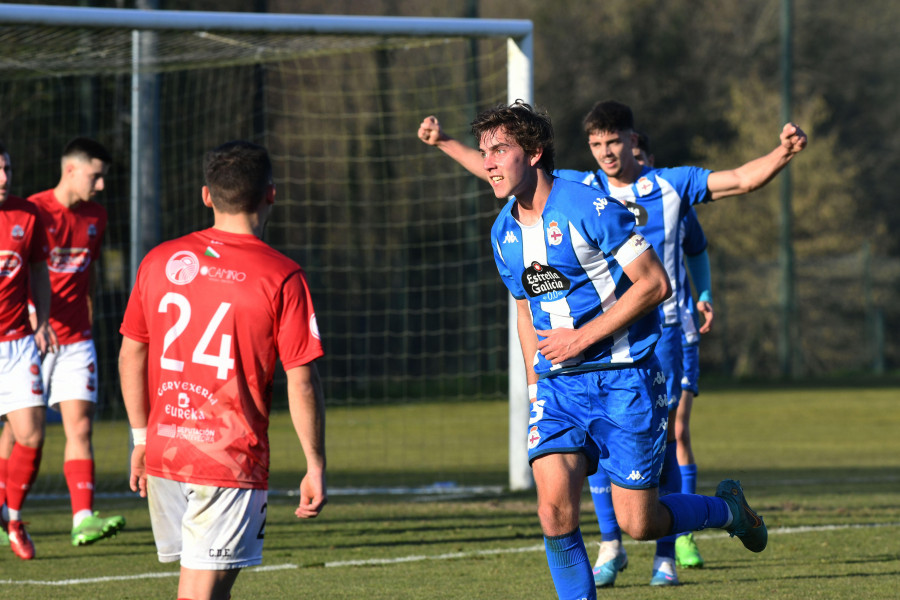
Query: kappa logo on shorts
{"type": "Point", "coordinates": [182, 267]}
{"type": "Point", "coordinates": [635, 476]}
{"type": "Point", "coordinates": [660, 378]}
{"type": "Point", "coordinates": [661, 400]}
{"type": "Point", "coordinates": [663, 425]}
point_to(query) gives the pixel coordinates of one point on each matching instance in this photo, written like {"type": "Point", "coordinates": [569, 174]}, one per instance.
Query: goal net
{"type": "Point", "coordinates": [392, 234]}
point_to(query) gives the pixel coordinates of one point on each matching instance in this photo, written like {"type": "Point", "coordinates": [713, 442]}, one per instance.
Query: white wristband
{"type": "Point", "coordinates": [139, 436]}
{"type": "Point", "coordinates": [532, 391]}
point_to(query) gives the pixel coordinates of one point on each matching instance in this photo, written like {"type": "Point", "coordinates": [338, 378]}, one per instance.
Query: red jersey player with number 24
{"type": "Point", "coordinates": [209, 315]}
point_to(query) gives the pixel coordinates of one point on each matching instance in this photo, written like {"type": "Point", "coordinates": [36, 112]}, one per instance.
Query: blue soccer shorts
{"type": "Point", "coordinates": [617, 418]}
{"type": "Point", "coordinates": [670, 355]}
{"type": "Point", "coordinates": [690, 379]}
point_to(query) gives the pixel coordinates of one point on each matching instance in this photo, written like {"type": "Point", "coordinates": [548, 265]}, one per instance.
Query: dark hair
{"type": "Point", "coordinates": [86, 149]}
{"type": "Point", "coordinates": [238, 174]}
{"type": "Point", "coordinates": [3, 149]}
{"type": "Point", "coordinates": [608, 116]}
{"type": "Point", "coordinates": [529, 127]}
{"type": "Point", "coordinates": [643, 142]}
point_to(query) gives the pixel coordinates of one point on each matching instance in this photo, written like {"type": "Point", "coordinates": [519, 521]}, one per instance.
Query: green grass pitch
{"type": "Point", "coordinates": [821, 464]}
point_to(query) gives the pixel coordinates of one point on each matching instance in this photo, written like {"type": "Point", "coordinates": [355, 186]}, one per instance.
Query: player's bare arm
{"type": "Point", "coordinates": [307, 406]}
{"type": "Point", "coordinates": [650, 286]}
{"type": "Point", "coordinates": [133, 361]}
{"type": "Point", "coordinates": [44, 335]}
{"type": "Point", "coordinates": [431, 133]}
{"type": "Point", "coordinates": [758, 172]}
{"type": "Point", "coordinates": [527, 338]}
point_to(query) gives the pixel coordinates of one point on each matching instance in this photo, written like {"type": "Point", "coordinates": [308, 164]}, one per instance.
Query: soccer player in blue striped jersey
{"type": "Point", "coordinates": [659, 204]}
{"type": "Point", "coordinates": [586, 285]}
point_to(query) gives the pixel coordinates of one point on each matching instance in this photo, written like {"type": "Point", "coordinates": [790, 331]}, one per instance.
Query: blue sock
{"type": "Point", "coordinates": [570, 567]}
{"type": "Point", "coordinates": [603, 506]}
{"type": "Point", "coordinates": [669, 483]}
{"type": "Point", "coordinates": [692, 512]}
{"type": "Point", "coordinates": [688, 479]}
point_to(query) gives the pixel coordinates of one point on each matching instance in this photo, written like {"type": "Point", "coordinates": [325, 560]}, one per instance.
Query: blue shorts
{"type": "Point", "coordinates": [669, 354]}
{"type": "Point", "coordinates": [690, 379]}
{"type": "Point", "coordinates": [617, 418]}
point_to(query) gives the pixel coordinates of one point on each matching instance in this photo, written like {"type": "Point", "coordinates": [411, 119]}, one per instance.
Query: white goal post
{"type": "Point", "coordinates": [145, 22]}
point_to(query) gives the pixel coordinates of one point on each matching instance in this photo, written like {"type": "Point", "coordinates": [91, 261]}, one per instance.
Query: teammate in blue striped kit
{"type": "Point", "coordinates": [586, 285]}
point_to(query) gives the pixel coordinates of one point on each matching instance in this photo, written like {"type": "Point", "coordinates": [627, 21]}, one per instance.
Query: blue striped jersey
{"type": "Point", "coordinates": [569, 267]}
{"type": "Point", "coordinates": [659, 200]}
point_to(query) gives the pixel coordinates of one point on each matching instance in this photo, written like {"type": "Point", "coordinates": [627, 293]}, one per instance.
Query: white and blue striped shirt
{"type": "Point", "coordinates": [569, 267]}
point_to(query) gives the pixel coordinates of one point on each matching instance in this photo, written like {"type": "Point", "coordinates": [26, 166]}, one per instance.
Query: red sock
{"type": "Point", "coordinates": [22, 471]}
{"type": "Point", "coordinates": [80, 479]}
{"type": "Point", "coordinates": [4, 466]}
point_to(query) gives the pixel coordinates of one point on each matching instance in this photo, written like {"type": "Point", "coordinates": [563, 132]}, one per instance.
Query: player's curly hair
{"type": "Point", "coordinates": [529, 127]}
{"type": "Point", "coordinates": [238, 175]}
{"type": "Point", "coordinates": [608, 116]}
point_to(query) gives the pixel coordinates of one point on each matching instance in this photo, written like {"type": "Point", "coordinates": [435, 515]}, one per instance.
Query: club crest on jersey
{"type": "Point", "coordinates": [554, 234]}
{"type": "Point", "coordinates": [644, 186]}
{"type": "Point", "coordinates": [17, 232]}
{"type": "Point", "coordinates": [92, 230]}
{"type": "Point", "coordinates": [541, 279]}
{"type": "Point", "coordinates": [182, 267]}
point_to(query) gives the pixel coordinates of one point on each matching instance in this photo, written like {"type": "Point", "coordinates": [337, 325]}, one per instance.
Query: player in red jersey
{"type": "Point", "coordinates": [209, 315]}
{"type": "Point", "coordinates": [23, 271]}
{"type": "Point", "coordinates": [74, 226]}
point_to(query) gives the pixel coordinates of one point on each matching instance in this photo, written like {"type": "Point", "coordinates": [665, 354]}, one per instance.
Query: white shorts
{"type": "Point", "coordinates": [21, 385]}
{"type": "Point", "coordinates": [70, 373]}
{"type": "Point", "coordinates": [209, 528]}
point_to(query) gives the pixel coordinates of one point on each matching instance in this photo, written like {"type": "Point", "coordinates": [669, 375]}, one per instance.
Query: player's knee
{"type": "Point", "coordinates": [556, 518]}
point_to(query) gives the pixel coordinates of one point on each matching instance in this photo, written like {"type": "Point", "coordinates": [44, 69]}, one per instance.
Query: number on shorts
{"type": "Point", "coordinates": [262, 529]}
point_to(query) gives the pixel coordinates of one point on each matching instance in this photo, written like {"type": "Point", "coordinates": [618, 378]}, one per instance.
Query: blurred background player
{"type": "Point", "coordinates": [74, 225]}
{"type": "Point", "coordinates": [697, 260]}
{"type": "Point", "coordinates": [23, 273]}
{"type": "Point", "coordinates": [659, 198]}
{"type": "Point", "coordinates": [201, 453]}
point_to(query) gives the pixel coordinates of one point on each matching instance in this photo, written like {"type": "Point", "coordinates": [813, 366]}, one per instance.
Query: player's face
{"type": "Point", "coordinates": [612, 150]}
{"type": "Point", "coordinates": [510, 170]}
{"type": "Point", "coordinates": [87, 178]}
{"type": "Point", "coordinates": [5, 176]}
{"type": "Point", "coordinates": [640, 156]}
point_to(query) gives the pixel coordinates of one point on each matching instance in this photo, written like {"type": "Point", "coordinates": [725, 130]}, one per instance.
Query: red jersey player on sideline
{"type": "Point", "coordinates": [209, 315]}
{"type": "Point", "coordinates": [23, 269]}
{"type": "Point", "coordinates": [75, 225]}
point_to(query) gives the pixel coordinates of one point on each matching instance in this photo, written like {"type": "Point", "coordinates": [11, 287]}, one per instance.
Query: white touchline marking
{"type": "Point", "coordinates": [447, 556]}
{"type": "Point", "coordinates": [129, 577]}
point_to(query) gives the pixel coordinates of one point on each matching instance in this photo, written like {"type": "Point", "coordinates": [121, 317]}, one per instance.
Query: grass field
{"type": "Point", "coordinates": [822, 464]}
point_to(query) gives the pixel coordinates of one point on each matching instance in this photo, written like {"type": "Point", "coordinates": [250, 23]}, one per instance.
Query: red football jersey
{"type": "Point", "coordinates": [22, 242]}
{"type": "Point", "coordinates": [74, 235]}
{"type": "Point", "coordinates": [217, 309]}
